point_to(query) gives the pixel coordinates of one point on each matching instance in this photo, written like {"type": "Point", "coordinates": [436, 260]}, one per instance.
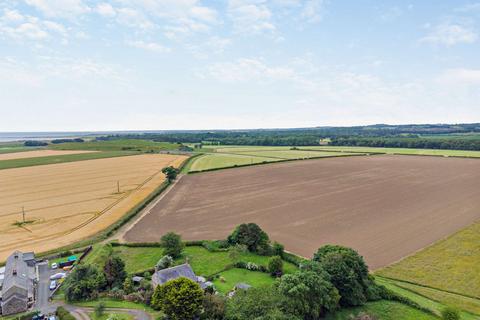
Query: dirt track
{"type": "Point", "coordinates": [386, 207]}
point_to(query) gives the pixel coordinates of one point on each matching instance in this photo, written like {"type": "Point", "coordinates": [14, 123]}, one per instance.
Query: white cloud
{"type": "Point", "coordinates": [250, 16]}
{"type": "Point", "coordinates": [60, 8]}
{"type": "Point", "coordinates": [17, 26]}
{"type": "Point", "coordinates": [218, 44]}
{"type": "Point", "coordinates": [450, 34]}
{"type": "Point", "coordinates": [133, 18]}
{"type": "Point", "coordinates": [106, 10]}
{"type": "Point", "coordinates": [312, 10]}
{"type": "Point", "coordinates": [460, 76]}
{"type": "Point", "coordinates": [150, 46]}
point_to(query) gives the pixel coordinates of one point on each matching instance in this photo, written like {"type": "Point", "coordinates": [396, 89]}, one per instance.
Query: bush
{"type": "Point", "coordinates": [99, 309]}
{"type": "Point", "coordinates": [173, 245]}
{"type": "Point", "coordinates": [275, 266]}
{"type": "Point", "coordinates": [164, 262]}
{"type": "Point", "coordinates": [34, 143]}
{"type": "Point", "coordinates": [63, 314]}
{"type": "Point", "coordinates": [215, 246]}
{"type": "Point", "coordinates": [278, 249]}
{"type": "Point", "coordinates": [84, 283]}
{"type": "Point", "coordinates": [114, 271]}
{"type": "Point", "coordinates": [213, 307]}
{"type": "Point", "coordinates": [450, 313]}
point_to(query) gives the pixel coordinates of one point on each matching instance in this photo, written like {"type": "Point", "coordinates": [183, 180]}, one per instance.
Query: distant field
{"type": "Point", "coordinates": [40, 153]}
{"type": "Point", "coordinates": [430, 152]}
{"type": "Point", "coordinates": [118, 145]}
{"type": "Point", "coordinates": [67, 202]}
{"type": "Point", "coordinates": [54, 159]}
{"type": "Point", "coordinates": [229, 156]}
{"type": "Point", "coordinates": [220, 160]}
{"type": "Point", "coordinates": [452, 264]}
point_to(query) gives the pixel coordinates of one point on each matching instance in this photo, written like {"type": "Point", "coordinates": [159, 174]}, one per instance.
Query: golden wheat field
{"type": "Point", "coordinates": [67, 202]}
{"type": "Point", "coordinates": [40, 153]}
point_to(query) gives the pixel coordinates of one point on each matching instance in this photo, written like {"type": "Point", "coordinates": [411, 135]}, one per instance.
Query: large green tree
{"type": "Point", "coordinates": [172, 244]}
{"type": "Point", "coordinates": [114, 270]}
{"type": "Point", "coordinates": [179, 299]}
{"type": "Point", "coordinates": [308, 294]}
{"type": "Point", "coordinates": [348, 273]}
{"type": "Point", "coordinates": [170, 173]}
{"type": "Point", "coordinates": [83, 283]}
{"type": "Point", "coordinates": [250, 235]}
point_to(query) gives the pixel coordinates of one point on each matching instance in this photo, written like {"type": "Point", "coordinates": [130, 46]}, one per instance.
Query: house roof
{"type": "Point", "coordinates": [183, 270]}
{"type": "Point", "coordinates": [17, 274]}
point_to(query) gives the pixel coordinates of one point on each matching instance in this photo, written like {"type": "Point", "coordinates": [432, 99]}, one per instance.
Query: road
{"type": "Point", "coordinates": [43, 291]}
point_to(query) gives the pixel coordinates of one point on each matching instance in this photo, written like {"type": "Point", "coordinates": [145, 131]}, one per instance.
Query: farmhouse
{"type": "Point", "coordinates": [160, 277]}
{"type": "Point", "coordinates": [18, 287]}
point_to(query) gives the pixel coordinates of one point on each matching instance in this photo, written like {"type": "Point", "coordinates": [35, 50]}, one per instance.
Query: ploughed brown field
{"type": "Point", "coordinates": [386, 207]}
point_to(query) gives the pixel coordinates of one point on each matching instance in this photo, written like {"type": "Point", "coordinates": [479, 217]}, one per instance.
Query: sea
{"type": "Point", "coordinates": [22, 136]}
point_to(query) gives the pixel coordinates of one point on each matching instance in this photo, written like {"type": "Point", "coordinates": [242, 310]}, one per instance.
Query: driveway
{"type": "Point", "coordinates": [43, 291]}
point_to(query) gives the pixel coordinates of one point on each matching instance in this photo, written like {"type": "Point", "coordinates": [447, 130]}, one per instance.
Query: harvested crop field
{"type": "Point", "coordinates": [67, 202]}
{"type": "Point", "coordinates": [39, 153]}
{"type": "Point", "coordinates": [385, 206]}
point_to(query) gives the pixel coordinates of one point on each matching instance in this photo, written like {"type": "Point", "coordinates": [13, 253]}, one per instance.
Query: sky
{"type": "Point", "coordinates": [79, 65]}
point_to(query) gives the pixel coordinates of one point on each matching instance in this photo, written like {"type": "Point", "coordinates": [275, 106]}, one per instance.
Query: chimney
{"type": "Point", "coordinates": [14, 272]}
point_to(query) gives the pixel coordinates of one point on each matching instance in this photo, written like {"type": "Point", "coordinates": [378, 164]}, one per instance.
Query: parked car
{"type": "Point", "coordinates": [53, 285]}
{"type": "Point", "coordinates": [67, 268]}
{"type": "Point", "coordinates": [57, 276]}
{"type": "Point", "coordinates": [38, 316]}
{"type": "Point", "coordinates": [54, 265]}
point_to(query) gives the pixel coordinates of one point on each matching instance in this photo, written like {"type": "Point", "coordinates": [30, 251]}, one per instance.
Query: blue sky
{"type": "Point", "coordinates": [191, 64]}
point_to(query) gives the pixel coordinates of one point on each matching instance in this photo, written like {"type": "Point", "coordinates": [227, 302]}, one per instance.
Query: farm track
{"type": "Point", "coordinates": [385, 206]}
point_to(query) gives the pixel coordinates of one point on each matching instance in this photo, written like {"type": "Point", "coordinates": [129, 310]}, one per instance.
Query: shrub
{"type": "Point", "coordinates": [450, 313]}
{"type": "Point", "coordinates": [278, 249]}
{"type": "Point", "coordinates": [164, 262]}
{"type": "Point", "coordinates": [213, 307]}
{"type": "Point", "coordinates": [84, 283]}
{"type": "Point", "coordinates": [99, 309]}
{"type": "Point", "coordinates": [173, 245]}
{"type": "Point", "coordinates": [179, 299]}
{"type": "Point", "coordinates": [275, 266]}
{"type": "Point", "coordinates": [63, 314]}
{"type": "Point", "coordinates": [251, 266]}
{"type": "Point", "coordinates": [114, 270]}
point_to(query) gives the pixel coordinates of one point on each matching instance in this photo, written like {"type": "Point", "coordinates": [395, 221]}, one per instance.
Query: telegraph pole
{"type": "Point", "coordinates": [23, 213]}
{"type": "Point", "coordinates": [118, 186]}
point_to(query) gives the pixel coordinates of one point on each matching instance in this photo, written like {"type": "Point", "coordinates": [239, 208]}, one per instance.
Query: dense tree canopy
{"type": "Point", "coordinates": [348, 273]}
{"type": "Point", "coordinates": [83, 283]}
{"type": "Point", "coordinates": [179, 299]}
{"type": "Point", "coordinates": [173, 244]}
{"type": "Point", "coordinates": [250, 235]}
{"type": "Point", "coordinates": [114, 270]}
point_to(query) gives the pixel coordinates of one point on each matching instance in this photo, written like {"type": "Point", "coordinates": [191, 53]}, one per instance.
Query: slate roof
{"type": "Point", "coordinates": [183, 270]}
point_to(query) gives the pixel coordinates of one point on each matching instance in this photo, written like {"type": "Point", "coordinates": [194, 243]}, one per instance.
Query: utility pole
{"type": "Point", "coordinates": [118, 186]}
{"type": "Point", "coordinates": [23, 213]}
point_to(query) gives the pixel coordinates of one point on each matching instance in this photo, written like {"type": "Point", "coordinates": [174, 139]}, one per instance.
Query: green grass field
{"type": "Point", "coordinates": [118, 145]}
{"type": "Point", "coordinates": [203, 262]}
{"type": "Point", "coordinates": [107, 314]}
{"type": "Point", "coordinates": [118, 304]}
{"type": "Point", "coordinates": [451, 264]}
{"type": "Point", "coordinates": [432, 299]}
{"type": "Point", "coordinates": [229, 156]}
{"type": "Point", "coordinates": [220, 160]}
{"type": "Point", "coordinates": [228, 279]}
{"type": "Point", "coordinates": [383, 310]}
{"type": "Point", "coordinates": [423, 152]}
{"type": "Point", "coordinates": [28, 162]}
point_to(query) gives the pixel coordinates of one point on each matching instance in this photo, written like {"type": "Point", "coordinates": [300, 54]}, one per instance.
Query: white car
{"type": "Point", "coordinates": [53, 285]}
{"type": "Point", "coordinates": [57, 276]}
{"type": "Point", "coordinates": [54, 265]}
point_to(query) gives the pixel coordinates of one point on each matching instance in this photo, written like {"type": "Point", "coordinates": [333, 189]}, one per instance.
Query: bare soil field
{"type": "Point", "coordinates": [68, 202]}
{"type": "Point", "coordinates": [40, 153]}
{"type": "Point", "coordinates": [385, 206]}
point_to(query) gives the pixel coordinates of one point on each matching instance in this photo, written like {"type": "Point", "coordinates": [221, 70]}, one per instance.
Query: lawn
{"type": "Point", "coordinates": [28, 162]}
{"type": "Point", "coordinates": [451, 264]}
{"type": "Point", "coordinates": [228, 279]}
{"type": "Point", "coordinates": [405, 151]}
{"type": "Point", "coordinates": [203, 262]}
{"type": "Point", "coordinates": [383, 310]}
{"type": "Point", "coordinates": [118, 145]}
{"type": "Point", "coordinates": [109, 303]}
